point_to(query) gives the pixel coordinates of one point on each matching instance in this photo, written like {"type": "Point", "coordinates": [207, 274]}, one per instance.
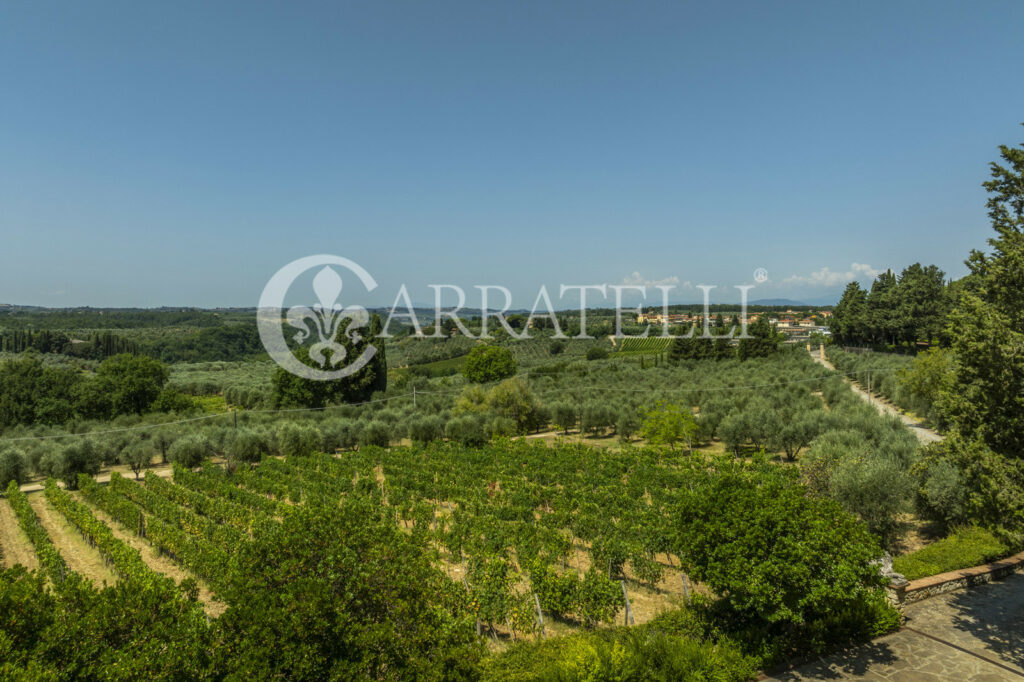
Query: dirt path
{"type": "Point", "coordinates": [153, 559]}
{"type": "Point", "coordinates": [163, 471]}
{"type": "Point", "coordinates": [546, 434]}
{"type": "Point", "coordinates": [80, 557]}
{"type": "Point", "coordinates": [923, 433]}
{"type": "Point", "coordinates": [15, 545]}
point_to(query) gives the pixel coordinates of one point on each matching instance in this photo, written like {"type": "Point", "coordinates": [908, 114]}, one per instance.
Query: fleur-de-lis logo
{"type": "Point", "coordinates": [325, 318]}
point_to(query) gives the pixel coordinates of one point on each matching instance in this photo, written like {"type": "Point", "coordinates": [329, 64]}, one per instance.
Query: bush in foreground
{"type": "Point", "coordinates": [794, 572]}
{"type": "Point", "coordinates": [674, 646]}
{"type": "Point", "coordinates": [341, 593]}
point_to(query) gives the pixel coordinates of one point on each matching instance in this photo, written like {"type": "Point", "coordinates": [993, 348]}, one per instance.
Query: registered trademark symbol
{"type": "Point", "coordinates": [760, 275]}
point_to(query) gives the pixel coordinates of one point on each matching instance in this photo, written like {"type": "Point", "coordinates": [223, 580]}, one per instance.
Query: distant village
{"type": "Point", "coordinates": [795, 325]}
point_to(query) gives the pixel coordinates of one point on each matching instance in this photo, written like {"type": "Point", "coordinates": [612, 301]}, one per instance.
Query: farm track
{"type": "Point", "coordinates": [159, 563]}
{"type": "Point", "coordinates": [922, 432]}
{"type": "Point", "coordinates": [78, 554]}
{"type": "Point", "coordinates": [163, 471]}
{"type": "Point", "coordinates": [15, 545]}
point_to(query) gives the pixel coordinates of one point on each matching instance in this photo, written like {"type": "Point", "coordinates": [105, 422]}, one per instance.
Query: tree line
{"type": "Point", "coordinates": [95, 346]}
{"type": "Point", "coordinates": [896, 311]}
{"type": "Point", "coordinates": [34, 393]}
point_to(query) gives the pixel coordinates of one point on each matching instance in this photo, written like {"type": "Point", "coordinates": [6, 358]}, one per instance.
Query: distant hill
{"type": "Point", "coordinates": [777, 301]}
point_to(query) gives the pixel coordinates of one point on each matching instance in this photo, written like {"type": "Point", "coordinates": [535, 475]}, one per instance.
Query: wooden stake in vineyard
{"type": "Point", "coordinates": [540, 615]}
{"type": "Point", "coordinates": [629, 611]}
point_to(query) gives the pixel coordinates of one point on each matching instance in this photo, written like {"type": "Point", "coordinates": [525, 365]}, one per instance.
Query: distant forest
{"type": "Point", "coordinates": [167, 335]}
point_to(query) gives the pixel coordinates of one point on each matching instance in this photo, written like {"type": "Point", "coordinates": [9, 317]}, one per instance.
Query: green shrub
{"type": "Point", "coordinates": [12, 467]}
{"type": "Point", "coordinates": [189, 451]}
{"type": "Point", "coordinates": [967, 547]}
{"type": "Point", "coordinates": [627, 423]}
{"type": "Point", "coordinates": [866, 478]}
{"type": "Point", "coordinates": [564, 415]}
{"type": "Point", "coordinates": [81, 456]}
{"type": "Point", "coordinates": [298, 439]}
{"type": "Point", "coordinates": [498, 427]}
{"type": "Point", "coordinates": [427, 429]}
{"type": "Point", "coordinates": [247, 446]}
{"type": "Point", "coordinates": [489, 363]}
{"type": "Point", "coordinates": [794, 569]}
{"type": "Point", "coordinates": [340, 435]}
{"type": "Point", "coordinates": [637, 654]}
{"type": "Point", "coordinates": [943, 495]}
{"type": "Point", "coordinates": [993, 486]}
{"type": "Point", "coordinates": [597, 417]}
{"type": "Point", "coordinates": [173, 400]}
{"type": "Point", "coordinates": [375, 433]}
{"type": "Point", "coordinates": [467, 430]}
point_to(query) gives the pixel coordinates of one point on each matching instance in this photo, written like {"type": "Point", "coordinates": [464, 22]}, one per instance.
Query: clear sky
{"type": "Point", "coordinates": [179, 153]}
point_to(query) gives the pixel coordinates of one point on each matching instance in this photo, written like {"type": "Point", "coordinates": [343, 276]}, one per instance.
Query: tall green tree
{"type": "Point", "coordinates": [668, 424]}
{"type": "Point", "coordinates": [921, 306]}
{"type": "Point", "coordinates": [882, 320]}
{"type": "Point", "coordinates": [32, 393]}
{"type": "Point", "coordinates": [290, 390]}
{"type": "Point", "coordinates": [987, 322]}
{"type": "Point", "coordinates": [849, 319]}
{"type": "Point", "coordinates": [132, 382]}
{"type": "Point", "coordinates": [763, 341]}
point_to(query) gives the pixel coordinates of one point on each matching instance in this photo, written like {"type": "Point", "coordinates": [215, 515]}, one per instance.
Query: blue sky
{"type": "Point", "coordinates": [180, 153]}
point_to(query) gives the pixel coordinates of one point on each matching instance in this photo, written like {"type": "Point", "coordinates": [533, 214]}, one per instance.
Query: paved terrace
{"type": "Point", "coordinates": [974, 635]}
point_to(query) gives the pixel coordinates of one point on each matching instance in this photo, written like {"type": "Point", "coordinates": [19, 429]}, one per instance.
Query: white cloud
{"type": "Point", "coordinates": [638, 280]}
{"type": "Point", "coordinates": [826, 277]}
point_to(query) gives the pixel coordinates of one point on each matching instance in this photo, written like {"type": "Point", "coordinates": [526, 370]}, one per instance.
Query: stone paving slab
{"type": "Point", "coordinates": [974, 635]}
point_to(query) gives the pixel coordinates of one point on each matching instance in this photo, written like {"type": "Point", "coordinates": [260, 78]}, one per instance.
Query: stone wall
{"type": "Point", "coordinates": [923, 588]}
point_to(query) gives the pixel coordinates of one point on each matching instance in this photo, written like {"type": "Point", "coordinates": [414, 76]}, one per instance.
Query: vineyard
{"type": "Point", "coordinates": [518, 525]}
{"type": "Point", "coordinates": [511, 541]}
{"type": "Point", "coordinates": [375, 537]}
{"type": "Point", "coordinates": [652, 345]}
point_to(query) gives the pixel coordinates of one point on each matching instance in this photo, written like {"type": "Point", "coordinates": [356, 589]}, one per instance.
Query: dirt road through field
{"type": "Point", "coordinates": [923, 433]}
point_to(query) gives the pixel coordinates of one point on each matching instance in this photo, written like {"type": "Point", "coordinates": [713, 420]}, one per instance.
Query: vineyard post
{"type": "Point", "coordinates": [629, 611]}
{"type": "Point", "coordinates": [479, 630]}
{"type": "Point", "coordinates": [540, 615]}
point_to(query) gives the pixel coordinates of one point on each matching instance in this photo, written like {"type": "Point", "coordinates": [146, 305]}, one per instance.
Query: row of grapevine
{"type": "Point", "coordinates": [172, 513]}
{"type": "Point", "coordinates": [216, 509]}
{"type": "Point", "coordinates": [281, 487]}
{"type": "Point", "coordinates": [49, 558]}
{"type": "Point", "coordinates": [217, 482]}
{"type": "Point", "coordinates": [126, 560]}
{"type": "Point", "coordinates": [194, 552]}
